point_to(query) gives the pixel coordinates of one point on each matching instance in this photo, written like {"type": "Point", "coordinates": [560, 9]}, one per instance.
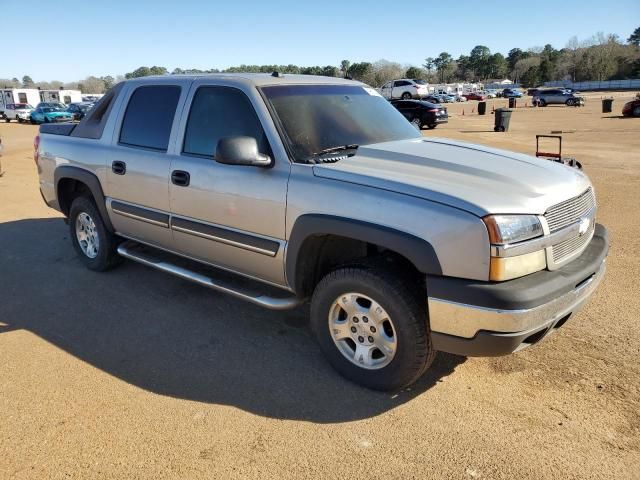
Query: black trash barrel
{"type": "Point", "coordinates": [502, 119]}
{"type": "Point", "coordinates": [607, 105]}
{"type": "Point", "coordinates": [482, 108]}
{"type": "Point", "coordinates": [512, 102]}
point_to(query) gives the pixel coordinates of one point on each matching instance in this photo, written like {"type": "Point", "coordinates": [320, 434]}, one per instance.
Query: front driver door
{"type": "Point", "coordinates": [231, 216]}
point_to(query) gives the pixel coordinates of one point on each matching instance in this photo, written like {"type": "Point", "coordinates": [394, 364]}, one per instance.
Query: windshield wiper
{"type": "Point", "coordinates": [339, 148]}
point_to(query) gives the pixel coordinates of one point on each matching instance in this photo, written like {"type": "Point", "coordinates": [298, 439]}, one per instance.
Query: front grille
{"type": "Point", "coordinates": [563, 249]}
{"type": "Point", "coordinates": [570, 211]}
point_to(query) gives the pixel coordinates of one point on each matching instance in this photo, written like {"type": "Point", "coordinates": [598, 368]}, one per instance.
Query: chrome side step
{"type": "Point", "coordinates": [132, 251]}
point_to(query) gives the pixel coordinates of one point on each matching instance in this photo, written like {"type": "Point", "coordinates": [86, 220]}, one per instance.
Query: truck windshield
{"type": "Point", "coordinates": [320, 117]}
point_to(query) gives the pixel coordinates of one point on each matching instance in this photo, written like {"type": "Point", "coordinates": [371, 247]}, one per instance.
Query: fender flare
{"type": "Point", "coordinates": [417, 250]}
{"type": "Point", "coordinates": [91, 181]}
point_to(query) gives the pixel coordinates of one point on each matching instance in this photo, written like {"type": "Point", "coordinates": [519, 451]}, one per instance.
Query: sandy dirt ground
{"type": "Point", "coordinates": [136, 374]}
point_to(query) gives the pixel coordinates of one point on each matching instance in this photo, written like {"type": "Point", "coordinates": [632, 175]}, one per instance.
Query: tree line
{"type": "Point", "coordinates": [600, 57]}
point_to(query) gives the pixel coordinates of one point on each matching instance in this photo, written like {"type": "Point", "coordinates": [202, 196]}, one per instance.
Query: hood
{"type": "Point", "coordinates": [471, 177]}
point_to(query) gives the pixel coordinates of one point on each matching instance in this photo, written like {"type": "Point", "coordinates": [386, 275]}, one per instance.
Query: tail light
{"type": "Point", "coordinates": [434, 110]}
{"type": "Point", "coordinates": [36, 148]}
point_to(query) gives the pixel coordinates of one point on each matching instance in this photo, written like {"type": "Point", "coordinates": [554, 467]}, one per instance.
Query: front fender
{"type": "Point", "coordinates": [417, 250]}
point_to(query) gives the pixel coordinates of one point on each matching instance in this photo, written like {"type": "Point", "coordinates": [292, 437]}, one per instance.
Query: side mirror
{"type": "Point", "coordinates": [241, 151]}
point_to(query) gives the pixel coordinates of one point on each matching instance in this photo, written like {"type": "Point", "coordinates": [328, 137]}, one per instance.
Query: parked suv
{"type": "Point", "coordinates": [21, 112]}
{"type": "Point", "coordinates": [555, 96]}
{"type": "Point", "coordinates": [316, 189]}
{"type": "Point", "coordinates": [404, 88]}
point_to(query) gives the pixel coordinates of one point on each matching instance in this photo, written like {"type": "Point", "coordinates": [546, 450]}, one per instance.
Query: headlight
{"type": "Point", "coordinates": [510, 229]}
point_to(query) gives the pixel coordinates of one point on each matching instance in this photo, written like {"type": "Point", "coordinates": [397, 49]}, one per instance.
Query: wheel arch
{"type": "Point", "coordinates": [71, 181]}
{"type": "Point", "coordinates": [317, 239]}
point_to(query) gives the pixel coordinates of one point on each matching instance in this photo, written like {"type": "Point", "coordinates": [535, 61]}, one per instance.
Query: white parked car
{"type": "Point", "coordinates": [404, 88]}
{"type": "Point", "coordinates": [21, 112]}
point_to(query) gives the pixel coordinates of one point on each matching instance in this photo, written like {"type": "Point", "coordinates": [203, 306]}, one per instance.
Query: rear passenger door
{"type": "Point", "coordinates": [232, 216]}
{"type": "Point", "coordinates": [138, 164]}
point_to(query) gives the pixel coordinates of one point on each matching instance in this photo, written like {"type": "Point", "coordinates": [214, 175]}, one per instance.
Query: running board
{"type": "Point", "coordinates": [132, 251]}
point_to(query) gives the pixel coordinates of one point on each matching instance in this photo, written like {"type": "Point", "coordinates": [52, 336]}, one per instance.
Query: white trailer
{"type": "Point", "coordinates": [61, 96]}
{"type": "Point", "coordinates": [19, 95]}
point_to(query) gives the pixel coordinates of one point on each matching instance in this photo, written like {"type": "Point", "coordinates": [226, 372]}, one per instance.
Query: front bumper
{"type": "Point", "coordinates": [475, 318]}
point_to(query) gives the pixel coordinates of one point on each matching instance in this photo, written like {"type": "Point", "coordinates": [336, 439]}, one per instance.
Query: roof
{"type": "Point", "coordinates": [257, 79]}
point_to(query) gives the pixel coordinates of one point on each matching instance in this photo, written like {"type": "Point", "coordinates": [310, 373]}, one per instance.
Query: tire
{"type": "Point", "coordinates": [46, 119]}
{"type": "Point", "coordinates": [7, 119]}
{"type": "Point", "coordinates": [374, 288]}
{"type": "Point", "coordinates": [405, 96]}
{"type": "Point", "coordinates": [542, 103]}
{"type": "Point", "coordinates": [104, 256]}
{"type": "Point", "coordinates": [569, 102]}
{"type": "Point", "coordinates": [416, 122]}
{"type": "Point", "coordinates": [19, 120]}
{"type": "Point", "coordinates": [432, 126]}
{"type": "Point", "coordinates": [636, 112]}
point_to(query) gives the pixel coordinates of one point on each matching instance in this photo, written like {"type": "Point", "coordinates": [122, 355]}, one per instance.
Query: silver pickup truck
{"type": "Point", "coordinates": [279, 189]}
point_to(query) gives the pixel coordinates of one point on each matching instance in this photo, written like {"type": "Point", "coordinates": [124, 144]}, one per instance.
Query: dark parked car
{"type": "Point", "coordinates": [79, 110]}
{"type": "Point", "coordinates": [533, 91]}
{"type": "Point", "coordinates": [422, 113]}
{"type": "Point", "coordinates": [631, 109]}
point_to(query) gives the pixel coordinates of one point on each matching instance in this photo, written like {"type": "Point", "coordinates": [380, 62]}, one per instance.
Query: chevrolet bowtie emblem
{"type": "Point", "coordinates": [583, 226]}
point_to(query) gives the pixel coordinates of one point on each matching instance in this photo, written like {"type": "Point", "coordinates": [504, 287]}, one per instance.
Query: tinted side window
{"type": "Point", "coordinates": [22, 97]}
{"type": "Point", "coordinates": [149, 116]}
{"type": "Point", "coordinates": [218, 112]}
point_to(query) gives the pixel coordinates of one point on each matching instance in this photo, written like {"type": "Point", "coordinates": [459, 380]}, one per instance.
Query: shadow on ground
{"type": "Point", "coordinates": [173, 338]}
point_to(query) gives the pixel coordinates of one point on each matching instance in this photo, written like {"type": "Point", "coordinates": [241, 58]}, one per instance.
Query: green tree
{"type": "Point", "coordinates": [479, 61]}
{"type": "Point", "coordinates": [108, 81]}
{"type": "Point", "coordinates": [497, 66]}
{"type": "Point", "coordinates": [634, 38]}
{"type": "Point", "coordinates": [429, 64]}
{"type": "Point", "coordinates": [359, 71]}
{"type": "Point", "coordinates": [414, 72]}
{"type": "Point", "coordinates": [445, 66]}
{"type": "Point", "coordinates": [27, 81]}
{"type": "Point", "coordinates": [344, 67]}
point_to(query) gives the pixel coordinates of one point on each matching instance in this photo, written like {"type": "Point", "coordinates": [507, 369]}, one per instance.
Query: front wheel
{"type": "Point", "coordinates": [569, 102]}
{"type": "Point", "coordinates": [406, 96]}
{"type": "Point", "coordinates": [372, 326]}
{"type": "Point", "coordinates": [7, 119]}
{"type": "Point", "coordinates": [636, 112]}
{"type": "Point", "coordinates": [432, 126]}
{"type": "Point", "coordinates": [95, 245]}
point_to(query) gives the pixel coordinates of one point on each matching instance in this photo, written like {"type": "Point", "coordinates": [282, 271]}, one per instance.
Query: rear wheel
{"type": "Point", "coordinates": [95, 245]}
{"type": "Point", "coordinates": [7, 119]}
{"type": "Point", "coordinates": [416, 122]}
{"type": "Point", "coordinates": [432, 126]}
{"type": "Point", "coordinates": [569, 102]}
{"type": "Point", "coordinates": [372, 326]}
{"type": "Point", "coordinates": [542, 103]}
{"type": "Point", "coordinates": [406, 96]}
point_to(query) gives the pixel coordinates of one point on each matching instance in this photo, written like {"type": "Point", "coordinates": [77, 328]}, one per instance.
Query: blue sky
{"type": "Point", "coordinates": [68, 40]}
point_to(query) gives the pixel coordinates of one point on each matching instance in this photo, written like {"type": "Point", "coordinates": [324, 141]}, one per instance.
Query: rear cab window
{"type": "Point", "coordinates": [149, 117]}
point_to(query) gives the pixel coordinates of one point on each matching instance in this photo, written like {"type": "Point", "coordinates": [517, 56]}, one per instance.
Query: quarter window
{"type": "Point", "coordinates": [149, 117]}
{"type": "Point", "coordinates": [22, 97]}
{"type": "Point", "coordinates": [218, 112]}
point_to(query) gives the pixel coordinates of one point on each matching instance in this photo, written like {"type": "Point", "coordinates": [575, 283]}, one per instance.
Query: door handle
{"type": "Point", "coordinates": [118, 167]}
{"type": "Point", "coordinates": [180, 178]}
